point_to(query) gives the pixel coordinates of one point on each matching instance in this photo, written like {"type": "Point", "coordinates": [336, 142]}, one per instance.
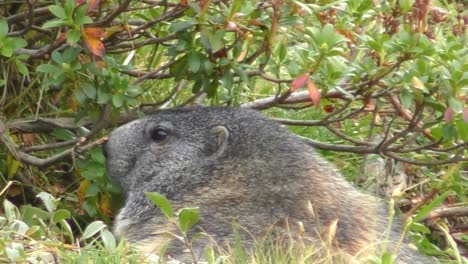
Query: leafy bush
{"type": "Point", "coordinates": [382, 82]}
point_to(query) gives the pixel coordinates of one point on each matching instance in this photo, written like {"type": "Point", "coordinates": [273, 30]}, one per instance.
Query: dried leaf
{"type": "Point", "coordinates": [255, 22]}
{"type": "Point", "coordinates": [92, 4]}
{"type": "Point", "coordinates": [314, 93]}
{"type": "Point", "coordinates": [449, 114]}
{"type": "Point", "coordinates": [100, 64]}
{"type": "Point", "coordinates": [105, 205]}
{"type": "Point", "coordinates": [91, 37]}
{"type": "Point", "coordinates": [28, 139]}
{"type": "Point", "coordinates": [81, 192]}
{"type": "Point", "coordinates": [417, 83]}
{"type": "Point", "coordinates": [299, 82]}
{"type": "Point", "coordinates": [465, 115]}
{"type": "Point", "coordinates": [242, 55]}
{"type": "Point", "coordinates": [329, 108]}
{"type": "Point", "coordinates": [184, 3]}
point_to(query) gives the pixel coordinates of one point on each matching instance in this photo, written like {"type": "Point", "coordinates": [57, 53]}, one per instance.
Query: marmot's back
{"type": "Point", "coordinates": [236, 165]}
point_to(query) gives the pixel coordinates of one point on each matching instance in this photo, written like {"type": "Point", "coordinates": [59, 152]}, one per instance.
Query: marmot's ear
{"type": "Point", "coordinates": [221, 135]}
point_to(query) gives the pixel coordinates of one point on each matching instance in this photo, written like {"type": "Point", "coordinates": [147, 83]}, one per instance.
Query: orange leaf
{"type": "Point", "coordinates": [93, 43]}
{"type": "Point", "coordinates": [314, 93]}
{"type": "Point", "coordinates": [92, 4]}
{"type": "Point", "coordinates": [100, 64]}
{"type": "Point", "coordinates": [95, 32]}
{"type": "Point", "coordinates": [299, 82]}
{"type": "Point", "coordinates": [184, 3]}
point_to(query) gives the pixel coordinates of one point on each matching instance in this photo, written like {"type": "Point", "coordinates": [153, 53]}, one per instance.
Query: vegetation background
{"type": "Point", "coordinates": [381, 87]}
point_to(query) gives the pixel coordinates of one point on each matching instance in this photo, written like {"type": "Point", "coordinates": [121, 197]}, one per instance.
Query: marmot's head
{"type": "Point", "coordinates": [158, 148]}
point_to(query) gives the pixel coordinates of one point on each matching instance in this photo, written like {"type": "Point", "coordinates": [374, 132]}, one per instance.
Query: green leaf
{"type": "Point", "coordinates": [60, 215]}
{"type": "Point", "coordinates": [194, 62]}
{"type": "Point", "coordinates": [282, 52]}
{"type": "Point", "coordinates": [117, 100]}
{"type": "Point", "coordinates": [434, 203]}
{"type": "Point", "coordinates": [63, 134]}
{"type": "Point", "coordinates": [83, 20]}
{"type": "Point", "coordinates": [406, 98]}
{"type": "Point", "coordinates": [103, 96]}
{"type": "Point", "coordinates": [33, 230]}
{"type": "Point", "coordinates": [48, 68]}
{"type": "Point", "coordinates": [455, 104]}
{"type": "Point", "coordinates": [216, 41]}
{"type": "Point", "coordinates": [108, 240]}
{"type": "Point", "coordinates": [161, 202]}
{"type": "Point", "coordinates": [22, 68]}
{"type": "Point", "coordinates": [388, 258]}
{"type": "Point", "coordinates": [13, 254]}
{"type": "Point", "coordinates": [405, 5]}
{"type": "Point", "coordinates": [3, 28]}
{"type": "Point", "coordinates": [97, 155]}
{"type": "Point", "coordinates": [89, 91]}
{"type": "Point", "coordinates": [10, 210]}
{"type": "Point", "coordinates": [462, 127]}
{"type": "Point", "coordinates": [53, 23]}
{"type": "Point", "coordinates": [7, 51]}
{"type": "Point", "coordinates": [31, 214]}
{"type": "Point", "coordinates": [449, 131]}
{"type": "Point", "coordinates": [133, 91]}
{"type": "Point", "coordinates": [93, 229]}
{"type": "Point", "coordinates": [188, 217]}
{"type": "Point", "coordinates": [183, 25]}
{"type": "Point", "coordinates": [49, 201]}
{"type": "Point", "coordinates": [80, 96]}
{"type": "Point", "coordinates": [57, 11]}
{"type": "Point", "coordinates": [18, 43]}
{"type": "Point", "coordinates": [73, 36]}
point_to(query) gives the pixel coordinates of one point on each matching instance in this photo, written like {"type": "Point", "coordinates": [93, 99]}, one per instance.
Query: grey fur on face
{"type": "Point", "coordinates": [237, 167]}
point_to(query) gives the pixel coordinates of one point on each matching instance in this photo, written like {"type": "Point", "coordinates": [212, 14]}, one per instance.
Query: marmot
{"type": "Point", "coordinates": [237, 166]}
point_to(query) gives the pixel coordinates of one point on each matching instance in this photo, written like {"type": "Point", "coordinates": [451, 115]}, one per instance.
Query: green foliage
{"type": "Point", "coordinates": [72, 70]}
{"type": "Point", "coordinates": [186, 217]}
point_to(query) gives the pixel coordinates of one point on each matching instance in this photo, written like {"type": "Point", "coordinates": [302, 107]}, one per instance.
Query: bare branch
{"type": "Point", "coordinates": [121, 8]}
{"type": "Point", "coordinates": [126, 46]}
{"type": "Point", "coordinates": [459, 211]}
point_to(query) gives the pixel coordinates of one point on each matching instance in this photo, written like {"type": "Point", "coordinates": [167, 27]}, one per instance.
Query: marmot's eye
{"type": "Point", "coordinates": [158, 134]}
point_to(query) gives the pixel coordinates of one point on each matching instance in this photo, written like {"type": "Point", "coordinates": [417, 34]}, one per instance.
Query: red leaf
{"type": "Point", "coordinates": [92, 4]}
{"type": "Point", "coordinates": [61, 38]}
{"type": "Point", "coordinates": [91, 37]}
{"type": "Point", "coordinates": [329, 108]}
{"type": "Point", "coordinates": [299, 82]}
{"type": "Point", "coordinates": [314, 93]}
{"type": "Point", "coordinates": [184, 3]}
{"type": "Point", "coordinates": [465, 115]}
{"type": "Point", "coordinates": [449, 114]}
